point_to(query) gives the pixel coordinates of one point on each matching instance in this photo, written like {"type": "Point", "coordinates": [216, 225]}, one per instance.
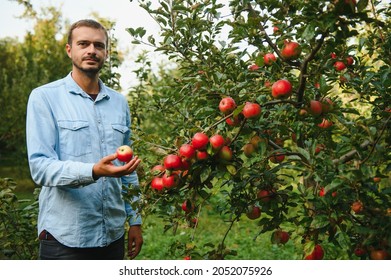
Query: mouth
{"type": "Point", "coordinates": [91, 59]}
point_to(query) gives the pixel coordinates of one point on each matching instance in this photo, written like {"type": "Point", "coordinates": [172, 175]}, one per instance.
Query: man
{"type": "Point", "coordinates": [74, 126]}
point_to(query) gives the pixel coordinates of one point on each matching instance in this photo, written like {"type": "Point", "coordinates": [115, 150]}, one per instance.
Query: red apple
{"type": "Point", "coordinates": [217, 142]}
{"type": "Point", "coordinates": [359, 251]}
{"type": "Point", "coordinates": [172, 162]}
{"type": "Point", "coordinates": [291, 50]}
{"type": "Point", "coordinates": [187, 151]}
{"type": "Point", "coordinates": [248, 149]}
{"type": "Point", "coordinates": [339, 65]}
{"type": "Point", "coordinates": [357, 207]}
{"type": "Point", "coordinates": [280, 237]}
{"type": "Point", "coordinates": [315, 107]}
{"type": "Point", "coordinates": [303, 112]}
{"type": "Point", "coordinates": [157, 183]}
{"type": "Point", "coordinates": [379, 254]}
{"type": "Point", "coordinates": [251, 110]}
{"type": "Point", "coordinates": [187, 206]}
{"type": "Point", "coordinates": [256, 139]}
{"type": "Point", "coordinates": [124, 153]}
{"type": "Point", "coordinates": [267, 84]}
{"type": "Point", "coordinates": [158, 169]}
{"type": "Point", "coordinates": [264, 195]}
{"type": "Point", "coordinates": [225, 153]}
{"type": "Point", "coordinates": [317, 253]}
{"type": "Point", "coordinates": [170, 181]}
{"type": "Point", "coordinates": [322, 192]}
{"type": "Point", "coordinates": [202, 155]}
{"type": "Point", "coordinates": [253, 67]}
{"type": "Point", "coordinates": [376, 179]}
{"type": "Point", "coordinates": [349, 60]}
{"type": "Point", "coordinates": [333, 55]}
{"type": "Point", "coordinates": [227, 105]}
{"type": "Point", "coordinates": [269, 59]}
{"type": "Point", "coordinates": [275, 29]}
{"type": "Point", "coordinates": [281, 89]}
{"type": "Point", "coordinates": [253, 212]}
{"type": "Point", "coordinates": [199, 141]}
{"type": "Point", "coordinates": [325, 124]}
{"type": "Point", "coordinates": [277, 158]}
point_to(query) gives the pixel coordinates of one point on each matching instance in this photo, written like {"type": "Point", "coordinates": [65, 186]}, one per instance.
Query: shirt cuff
{"type": "Point", "coordinates": [85, 171]}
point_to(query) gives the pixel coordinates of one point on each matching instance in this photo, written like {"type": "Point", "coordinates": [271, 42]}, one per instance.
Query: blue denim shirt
{"type": "Point", "coordinates": [67, 133]}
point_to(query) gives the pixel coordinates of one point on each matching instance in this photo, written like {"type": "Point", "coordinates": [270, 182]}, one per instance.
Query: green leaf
{"type": "Point", "coordinates": [205, 174]}
{"type": "Point", "coordinates": [231, 169]}
{"type": "Point", "coordinates": [320, 221]}
{"type": "Point", "coordinates": [309, 32]}
{"type": "Point", "coordinates": [361, 5]}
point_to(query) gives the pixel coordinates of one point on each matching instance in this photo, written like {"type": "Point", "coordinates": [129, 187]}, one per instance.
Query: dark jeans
{"type": "Point", "coordinates": [54, 250]}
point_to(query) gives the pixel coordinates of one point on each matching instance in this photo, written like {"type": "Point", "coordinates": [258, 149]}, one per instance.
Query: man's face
{"type": "Point", "coordinates": [88, 50]}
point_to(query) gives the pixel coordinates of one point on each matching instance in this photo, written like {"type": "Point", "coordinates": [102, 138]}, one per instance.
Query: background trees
{"type": "Point", "coordinates": [310, 156]}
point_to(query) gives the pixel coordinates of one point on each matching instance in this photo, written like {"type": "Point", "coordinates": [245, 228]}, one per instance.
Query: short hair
{"type": "Point", "coordinates": [87, 23]}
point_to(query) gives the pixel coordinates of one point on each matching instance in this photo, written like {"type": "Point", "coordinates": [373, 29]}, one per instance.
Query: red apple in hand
{"type": "Point", "coordinates": [124, 153]}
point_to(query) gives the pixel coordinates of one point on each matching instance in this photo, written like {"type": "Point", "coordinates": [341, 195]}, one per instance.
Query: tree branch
{"type": "Point", "coordinates": [304, 66]}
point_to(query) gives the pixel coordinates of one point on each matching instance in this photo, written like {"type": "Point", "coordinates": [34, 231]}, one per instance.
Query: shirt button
{"type": "Point", "coordinates": [102, 140]}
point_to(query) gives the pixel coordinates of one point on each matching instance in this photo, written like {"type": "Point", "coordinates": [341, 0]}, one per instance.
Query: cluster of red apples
{"type": "Point", "coordinates": [201, 147]}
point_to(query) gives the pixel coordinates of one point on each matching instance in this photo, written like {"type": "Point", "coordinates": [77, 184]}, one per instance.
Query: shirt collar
{"type": "Point", "coordinates": [74, 88]}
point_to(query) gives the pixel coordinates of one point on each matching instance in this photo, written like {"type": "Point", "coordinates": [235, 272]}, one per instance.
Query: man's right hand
{"type": "Point", "coordinates": [105, 167]}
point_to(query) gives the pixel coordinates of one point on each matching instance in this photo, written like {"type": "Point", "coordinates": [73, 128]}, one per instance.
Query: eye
{"type": "Point", "coordinates": [100, 46]}
{"type": "Point", "coordinates": [83, 43]}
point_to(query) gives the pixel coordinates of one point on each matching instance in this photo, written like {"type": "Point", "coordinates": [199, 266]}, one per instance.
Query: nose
{"type": "Point", "coordinates": [91, 48]}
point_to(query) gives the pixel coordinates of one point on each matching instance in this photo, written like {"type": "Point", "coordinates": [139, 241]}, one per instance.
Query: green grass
{"type": "Point", "coordinates": [243, 238]}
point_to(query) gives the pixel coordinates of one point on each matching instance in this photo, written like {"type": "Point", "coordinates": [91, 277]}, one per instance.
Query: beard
{"type": "Point", "coordinates": [90, 70]}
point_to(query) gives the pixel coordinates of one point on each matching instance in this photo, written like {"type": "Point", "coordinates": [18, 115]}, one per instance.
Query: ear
{"type": "Point", "coordinates": [68, 49]}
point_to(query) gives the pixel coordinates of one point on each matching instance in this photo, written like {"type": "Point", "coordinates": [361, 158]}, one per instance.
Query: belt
{"type": "Point", "coordinates": [45, 235]}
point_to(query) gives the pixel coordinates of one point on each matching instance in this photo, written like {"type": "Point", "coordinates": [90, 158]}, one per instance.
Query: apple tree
{"type": "Point", "coordinates": [299, 92]}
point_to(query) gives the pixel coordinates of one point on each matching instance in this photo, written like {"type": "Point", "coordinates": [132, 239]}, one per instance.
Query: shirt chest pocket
{"type": "Point", "coordinates": [74, 138]}
{"type": "Point", "coordinates": [119, 133]}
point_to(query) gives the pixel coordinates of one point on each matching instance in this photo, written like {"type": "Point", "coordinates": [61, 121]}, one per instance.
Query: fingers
{"type": "Point", "coordinates": [134, 250]}
{"type": "Point", "coordinates": [132, 164]}
{"type": "Point", "coordinates": [135, 241]}
{"type": "Point", "coordinates": [109, 158]}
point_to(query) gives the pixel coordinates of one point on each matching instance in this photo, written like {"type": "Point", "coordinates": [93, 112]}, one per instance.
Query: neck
{"type": "Point", "coordinates": [88, 83]}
